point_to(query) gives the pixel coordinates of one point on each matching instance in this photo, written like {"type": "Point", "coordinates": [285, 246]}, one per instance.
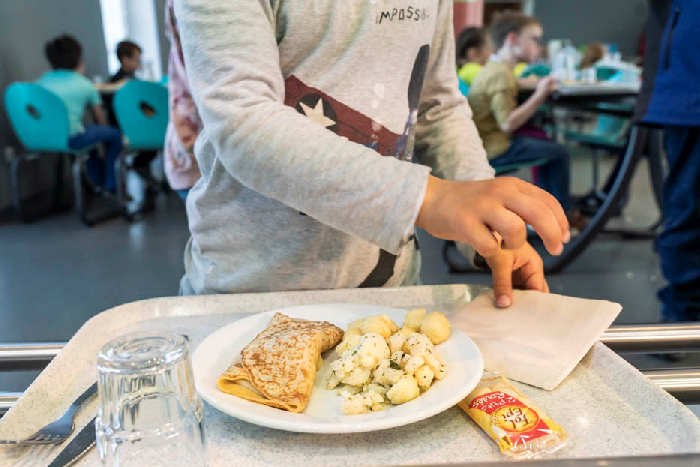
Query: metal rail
{"type": "Point", "coordinates": [29, 351]}
{"type": "Point", "coordinates": [684, 384]}
{"type": "Point", "coordinates": [653, 337]}
{"type": "Point", "coordinates": [645, 337]}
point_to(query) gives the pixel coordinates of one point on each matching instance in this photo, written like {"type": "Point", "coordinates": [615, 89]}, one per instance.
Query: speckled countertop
{"type": "Point", "coordinates": [607, 407]}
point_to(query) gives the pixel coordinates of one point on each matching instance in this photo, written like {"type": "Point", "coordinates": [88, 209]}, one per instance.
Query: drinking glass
{"type": "Point", "coordinates": [149, 412]}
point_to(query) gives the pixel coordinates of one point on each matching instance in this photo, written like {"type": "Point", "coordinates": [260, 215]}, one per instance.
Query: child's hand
{"type": "Point", "coordinates": [469, 212]}
{"type": "Point", "coordinates": [546, 86]}
{"type": "Point", "coordinates": [521, 268]}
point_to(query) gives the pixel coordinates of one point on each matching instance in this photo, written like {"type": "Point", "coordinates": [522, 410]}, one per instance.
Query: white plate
{"type": "Point", "coordinates": [323, 414]}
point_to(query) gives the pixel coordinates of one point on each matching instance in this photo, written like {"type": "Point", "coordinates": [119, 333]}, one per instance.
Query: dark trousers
{"type": "Point", "coordinates": [553, 176]}
{"type": "Point", "coordinates": [100, 172]}
{"type": "Point", "coordinates": [679, 243]}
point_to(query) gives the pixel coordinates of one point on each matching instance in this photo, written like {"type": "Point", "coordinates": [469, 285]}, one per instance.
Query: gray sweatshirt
{"type": "Point", "coordinates": [312, 111]}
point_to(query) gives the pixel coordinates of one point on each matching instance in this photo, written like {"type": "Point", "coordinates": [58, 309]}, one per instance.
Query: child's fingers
{"type": "Point", "coordinates": [481, 238]}
{"type": "Point", "coordinates": [509, 225]}
{"type": "Point", "coordinates": [541, 218]}
{"type": "Point", "coordinates": [502, 274]}
{"type": "Point", "coordinates": [550, 201]}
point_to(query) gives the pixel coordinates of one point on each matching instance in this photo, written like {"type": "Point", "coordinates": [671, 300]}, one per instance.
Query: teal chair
{"type": "Point", "coordinates": [463, 87]}
{"type": "Point", "coordinates": [40, 121]}
{"type": "Point", "coordinates": [141, 109]}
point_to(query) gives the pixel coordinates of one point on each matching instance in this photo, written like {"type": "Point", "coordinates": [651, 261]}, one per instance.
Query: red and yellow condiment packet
{"type": "Point", "coordinates": [520, 429]}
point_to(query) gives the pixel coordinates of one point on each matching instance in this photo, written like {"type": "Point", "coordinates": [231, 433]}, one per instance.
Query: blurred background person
{"type": "Point", "coordinates": [493, 97]}
{"type": "Point", "coordinates": [129, 55]}
{"type": "Point", "coordinates": [67, 81]}
{"type": "Point", "coordinates": [671, 74]}
{"type": "Point", "coordinates": [473, 49]}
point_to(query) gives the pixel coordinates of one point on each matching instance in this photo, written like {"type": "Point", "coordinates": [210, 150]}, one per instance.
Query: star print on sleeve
{"type": "Point", "coordinates": [317, 114]}
{"type": "Point", "coordinates": [339, 117]}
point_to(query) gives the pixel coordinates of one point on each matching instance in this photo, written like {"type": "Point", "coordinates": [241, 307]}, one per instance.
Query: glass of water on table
{"type": "Point", "coordinates": [149, 412]}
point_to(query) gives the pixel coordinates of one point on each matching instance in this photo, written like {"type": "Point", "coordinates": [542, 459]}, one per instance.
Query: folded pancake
{"type": "Point", "coordinates": [278, 367]}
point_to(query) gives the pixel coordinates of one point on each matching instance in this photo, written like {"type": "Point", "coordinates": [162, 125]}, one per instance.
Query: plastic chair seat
{"type": "Point", "coordinates": [141, 108]}
{"type": "Point", "coordinates": [40, 121]}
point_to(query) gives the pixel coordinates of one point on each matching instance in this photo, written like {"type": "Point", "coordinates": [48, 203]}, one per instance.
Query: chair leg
{"type": "Point", "coordinates": [78, 191]}
{"type": "Point", "coordinates": [15, 188]}
{"type": "Point", "coordinates": [58, 190]}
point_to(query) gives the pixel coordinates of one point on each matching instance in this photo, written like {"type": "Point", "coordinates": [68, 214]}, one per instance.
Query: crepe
{"type": "Point", "coordinates": [278, 367]}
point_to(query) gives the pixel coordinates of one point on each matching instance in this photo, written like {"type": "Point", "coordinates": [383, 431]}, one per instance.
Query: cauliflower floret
{"type": "Point", "coordinates": [376, 388]}
{"type": "Point", "coordinates": [414, 318]}
{"type": "Point", "coordinates": [396, 341]}
{"type": "Point", "coordinates": [437, 364]}
{"type": "Point", "coordinates": [350, 341]}
{"type": "Point", "coordinates": [418, 345]}
{"type": "Point", "coordinates": [355, 365]}
{"type": "Point", "coordinates": [404, 390]}
{"type": "Point", "coordinates": [397, 358]}
{"type": "Point", "coordinates": [354, 404]}
{"type": "Point", "coordinates": [363, 402]}
{"type": "Point", "coordinates": [359, 376]}
{"type": "Point", "coordinates": [436, 327]}
{"type": "Point", "coordinates": [424, 377]}
{"type": "Point", "coordinates": [412, 364]}
{"type": "Point", "coordinates": [386, 376]}
{"type": "Point", "coordinates": [371, 350]}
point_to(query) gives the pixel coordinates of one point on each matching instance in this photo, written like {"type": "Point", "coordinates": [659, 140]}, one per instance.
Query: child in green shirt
{"type": "Point", "coordinates": [497, 115]}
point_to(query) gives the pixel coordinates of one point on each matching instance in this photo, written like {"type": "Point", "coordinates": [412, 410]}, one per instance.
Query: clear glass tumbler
{"type": "Point", "coordinates": [149, 412]}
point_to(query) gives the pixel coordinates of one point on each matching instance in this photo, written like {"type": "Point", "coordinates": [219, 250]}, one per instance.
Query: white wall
{"type": "Point", "coordinates": [585, 21]}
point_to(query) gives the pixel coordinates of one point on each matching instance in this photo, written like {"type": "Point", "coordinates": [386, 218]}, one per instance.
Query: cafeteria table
{"type": "Point", "coordinates": [613, 414]}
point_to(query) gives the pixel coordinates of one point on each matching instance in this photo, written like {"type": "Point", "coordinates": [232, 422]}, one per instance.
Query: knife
{"type": "Point", "coordinates": [78, 447]}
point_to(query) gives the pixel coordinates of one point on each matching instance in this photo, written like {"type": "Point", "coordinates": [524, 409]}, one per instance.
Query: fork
{"type": "Point", "coordinates": [61, 428]}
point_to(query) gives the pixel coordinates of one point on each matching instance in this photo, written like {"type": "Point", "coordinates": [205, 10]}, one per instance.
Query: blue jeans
{"type": "Point", "coordinates": [183, 193]}
{"type": "Point", "coordinates": [101, 173]}
{"type": "Point", "coordinates": [679, 243]}
{"type": "Point", "coordinates": [553, 176]}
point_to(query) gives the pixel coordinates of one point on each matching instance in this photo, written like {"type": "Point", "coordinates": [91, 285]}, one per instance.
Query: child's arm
{"type": "Point", "coordinates": [521, 114]}
{"type": "Point", "coordinates": [99, 115]}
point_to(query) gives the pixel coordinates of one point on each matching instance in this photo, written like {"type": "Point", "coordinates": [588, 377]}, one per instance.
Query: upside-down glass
{"type": "Point", "coordinates": [149, 412]}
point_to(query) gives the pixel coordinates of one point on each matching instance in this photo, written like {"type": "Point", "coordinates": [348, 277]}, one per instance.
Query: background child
{"type": "Point", "coordinates": [473, 49]}
{"type": "Point", "coordinates": [129, 55]}
{"type": "Point", "coordinates": [66, 80]}
{"type": "Point", "coordinates": [493, 97]}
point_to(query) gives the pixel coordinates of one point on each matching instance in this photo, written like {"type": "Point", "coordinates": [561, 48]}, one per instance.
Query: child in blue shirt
{"type": "Point", "coordinates": [66, 80]}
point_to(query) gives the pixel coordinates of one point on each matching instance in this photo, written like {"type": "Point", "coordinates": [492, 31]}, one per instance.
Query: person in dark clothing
{"type": "Point", "coordinates": [670, 98]}
{"type": "Point", "coordinates": [129, 55]}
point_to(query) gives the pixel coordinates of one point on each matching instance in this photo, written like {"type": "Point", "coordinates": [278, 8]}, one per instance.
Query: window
{"type": "Point", "coordinates": [134, 20]}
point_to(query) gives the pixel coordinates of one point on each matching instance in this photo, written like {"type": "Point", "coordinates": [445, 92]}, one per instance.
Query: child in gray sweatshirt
{"type": "Point", "coordinates": [313, 116]}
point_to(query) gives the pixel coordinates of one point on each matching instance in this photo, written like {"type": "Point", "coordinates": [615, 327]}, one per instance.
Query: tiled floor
{"type": "Point", "coordinates": [56, 273]}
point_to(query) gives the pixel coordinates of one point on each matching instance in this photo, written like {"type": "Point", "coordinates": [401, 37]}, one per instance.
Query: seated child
{"type": "Point", "coordinates": [67, 81]}
{"type": "Point", "coordinates": [129, 55]}
{"type": "Point", "coordinates": [473, 49]}
{"type": "Point", "coordinates": [498, 117]}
